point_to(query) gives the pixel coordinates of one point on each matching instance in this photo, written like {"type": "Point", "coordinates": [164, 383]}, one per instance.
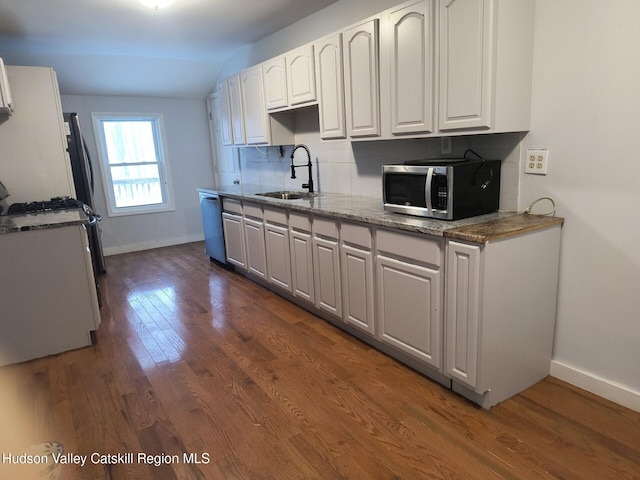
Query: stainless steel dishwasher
{"type": "Point", "coordinates": [211, 208]}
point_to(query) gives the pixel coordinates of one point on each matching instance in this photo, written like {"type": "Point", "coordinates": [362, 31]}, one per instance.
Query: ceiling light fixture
{"type": "Point", "coordinates": [156, 4]}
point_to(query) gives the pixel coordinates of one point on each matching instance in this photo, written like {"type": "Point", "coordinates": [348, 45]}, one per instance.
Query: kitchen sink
{"type": "Point", "coordinates": [286, 195]}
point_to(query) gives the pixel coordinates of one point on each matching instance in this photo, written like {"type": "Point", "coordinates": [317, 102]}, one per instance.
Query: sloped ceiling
{"type": "Point", "coordinates": [120, 47]}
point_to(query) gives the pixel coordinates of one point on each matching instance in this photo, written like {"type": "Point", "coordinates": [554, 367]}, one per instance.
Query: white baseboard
{"type": "Point", "coordinates": [167, 242]}
{"type": "Point", "coordinates": [603, 388]}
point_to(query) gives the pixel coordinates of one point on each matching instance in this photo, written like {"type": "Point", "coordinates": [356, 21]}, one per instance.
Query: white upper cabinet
{"type": "Point", "coordinates": [485, 64]}
{"type": "Point", "coordinates": [330, 82]}
{"type": "Point", "coordinates": [466, 80]}
{"type": "Point", "coordinates": [361, 67]}
{"type": "Point", "coordinates": [253, 106]}
{"type": "Point", "coordinates": [301, 77]}
{"type": "Point", "coordinates": [421, 69]}
{"type": "Point", "coordinates": [289, 79]}
{"type": "Point", "coordinates": [250, 124]}
{"type": "Point", "coordinates": [275, 83]}
{"type": "Point", "coordinates": [235, 107]}
{"type": "Point", "coordinates": [410, 47]}
{"type": "Point", "coordinates": [223, 109]}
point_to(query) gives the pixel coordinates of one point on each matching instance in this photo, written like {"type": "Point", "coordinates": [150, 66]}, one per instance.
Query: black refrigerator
{"type": "Point", "coordinates": [83, 179]}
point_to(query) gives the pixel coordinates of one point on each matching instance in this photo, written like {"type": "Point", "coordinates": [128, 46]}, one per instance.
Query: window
{"type": "Point", "coordinates": [133, 163]}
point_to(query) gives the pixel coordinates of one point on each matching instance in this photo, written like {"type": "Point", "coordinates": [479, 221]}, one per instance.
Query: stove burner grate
{"type": "Point", "coordinates": [56, 203]}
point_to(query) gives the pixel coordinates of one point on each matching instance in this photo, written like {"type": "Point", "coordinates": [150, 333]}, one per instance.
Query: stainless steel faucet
{"type": "Point", "coordinates": [308, 185]}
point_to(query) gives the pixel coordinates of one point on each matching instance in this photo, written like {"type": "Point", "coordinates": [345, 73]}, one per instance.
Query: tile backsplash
{"type": "Point", "coordinates": [355, 168]}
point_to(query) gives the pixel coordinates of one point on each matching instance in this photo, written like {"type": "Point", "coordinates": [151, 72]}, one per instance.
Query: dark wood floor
{"type": "Point", "coordinates": [196, 359]}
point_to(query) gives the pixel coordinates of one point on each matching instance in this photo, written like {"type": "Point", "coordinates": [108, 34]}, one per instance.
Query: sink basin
{"type": "Point", "coordinates": [286, 195]}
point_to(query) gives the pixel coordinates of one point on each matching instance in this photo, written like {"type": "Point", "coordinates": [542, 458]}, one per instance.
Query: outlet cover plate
{"type": "Point", "coordinates": [537, 161]}
{"type": "Point", "coordinates": [446, 145]}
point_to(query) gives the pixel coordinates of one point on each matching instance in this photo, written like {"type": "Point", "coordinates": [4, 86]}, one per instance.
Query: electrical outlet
{"type": "Point", "coordinates": [537, 161]}
{"type": "Point", "coordinates": [446, 145]}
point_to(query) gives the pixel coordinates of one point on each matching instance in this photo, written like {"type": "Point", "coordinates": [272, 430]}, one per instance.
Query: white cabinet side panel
{"type": "Point", "coordinates": [462, 316]}
{"type": "Point", "coordinates": [34, 163]}
{"type": "Point", "coordinates": [48, 302]}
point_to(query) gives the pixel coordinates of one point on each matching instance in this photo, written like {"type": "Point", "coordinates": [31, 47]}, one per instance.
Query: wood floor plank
{"type": "Point", "coordinates": [196, 359]}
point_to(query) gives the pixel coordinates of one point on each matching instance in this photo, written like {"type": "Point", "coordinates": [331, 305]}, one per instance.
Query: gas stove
{"type": "Point", "coordinates": [56, 203]}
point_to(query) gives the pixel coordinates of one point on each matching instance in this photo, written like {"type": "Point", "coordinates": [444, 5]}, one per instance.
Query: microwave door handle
{"type": "Point", "coordinates": [427, 190]}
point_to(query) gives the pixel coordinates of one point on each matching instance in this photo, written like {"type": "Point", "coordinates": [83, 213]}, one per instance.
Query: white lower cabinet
{"type": "Point", "coordinates": [409, 308]}
{"type": "Point", "coordinates": [409, 294]}
{"type": "Point", "coordinates": [233, 227]}
{"type": "Point", "coordinates": [485, 328]}
{"type": "Point", "coordinates": [278, 248]}
{"type": "Point", "coordinates": [255, 248]}
{"type": "Point", "coordinates": [357, 277]}
{"type": "Point", "coordinates": [301, 250]}
{"type": "Point", "coordinates": [326, 266]}
{"type": "Point", "coordinates": [256, 257]}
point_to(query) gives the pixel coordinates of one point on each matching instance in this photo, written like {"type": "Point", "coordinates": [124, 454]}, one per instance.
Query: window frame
{"type": "Point", "coordinates": [162, 159]}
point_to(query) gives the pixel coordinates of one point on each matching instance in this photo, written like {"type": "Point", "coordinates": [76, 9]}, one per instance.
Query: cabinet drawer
{"type": "Point", "coordinates": [252, 210]}
{"type": "Point", "coordinates": [299, 221]}
{"type": "Point", "coordinates": [231, 205]}
{"type": "Point", "coordinates": [275, 215]}
{"type": "Point", "coordinates": [325, 227]}
{"type": "Point", "coordinates": [356, 234]}
{"type": "Point", "coordinates": [416, 247]}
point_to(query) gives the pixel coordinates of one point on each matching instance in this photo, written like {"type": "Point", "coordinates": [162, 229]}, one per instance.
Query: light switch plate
{"type": "Point", "coordinates": [537, 161]}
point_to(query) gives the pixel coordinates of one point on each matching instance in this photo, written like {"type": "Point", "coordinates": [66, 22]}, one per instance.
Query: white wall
{"type": "Point", "coordinates": [190, 162]}
{"type": "Point", "coordinates": [586, 102]}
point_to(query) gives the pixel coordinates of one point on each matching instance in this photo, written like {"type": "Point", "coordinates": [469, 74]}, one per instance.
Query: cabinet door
{"type": "Point", "coordinates": [463, 314]}
{"type": "Point", "coordinates": [466, 63]}
{"type": "Point", "coordinates": [326, 269]}
{"type": "Point", "coordinates": [302, 265]}
{"type": "Point", "coordinates": [329, 77]}
{"type": "Point", "coordinates": [255, 249]}
{"type": "Point", "coordinates": [357, 286]}
{"type": "Point", "coordinates": [278, 256]}
{"type": "Point", "coordinates": [409, 309]}
{"type": "Point", "coordinates": [361, 67]}
{"type": "Point", "coordinates": [301, 76]}
{"type": "Point", "coordinates": [223, 111]}
{"type": "Point", "coordinates": [234, 239]}
{"type": "Point", "coordinates": [254, 107]}
{"type": "Point", "coordinates": [275, 83]}
{"type": "Point", "coordinates": [226, 163]}
{"type": "Point", "coordinates": [237, 115]}
{"type": "Point", "coordinates": [412, 58]}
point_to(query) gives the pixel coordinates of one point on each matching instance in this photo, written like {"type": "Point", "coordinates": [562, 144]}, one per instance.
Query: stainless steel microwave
{"type": "Point", "coordinates": [448, 189]}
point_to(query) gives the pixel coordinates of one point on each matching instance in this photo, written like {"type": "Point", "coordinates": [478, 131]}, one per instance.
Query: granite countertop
{"type": "Point", "coordinates": [42, 220]}
{"type": "Point", "coordinates": [480, 229]}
